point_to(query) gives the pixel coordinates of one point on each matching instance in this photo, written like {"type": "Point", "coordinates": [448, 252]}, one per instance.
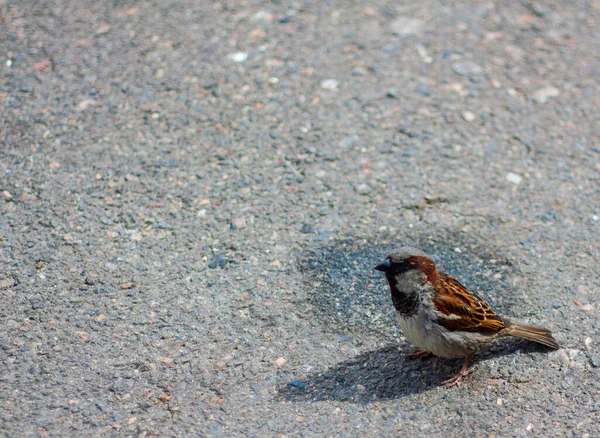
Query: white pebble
{"type": "Point", "coordinates": [468, 116]}
{"type": "Point", "coordinates": [239, 56]}
{"type": "Point", "coordinates": [561, 356]}
{"type": "Point", "coordinates": [404, 25]}
{"type": "Point", "coordinates": [543, 94]}
{"type": "Point", "coordinates": [596, 218]}
{"type": "Point", "coordinates": [329, 84]}
{"type": "Point", "coordinates": [514, 178]}
{"type": "Point", "coordinates": [457, 250]}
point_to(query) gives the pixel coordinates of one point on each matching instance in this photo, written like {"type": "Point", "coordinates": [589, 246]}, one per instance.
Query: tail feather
{"type": "Point", "coordinates": [531, 332]}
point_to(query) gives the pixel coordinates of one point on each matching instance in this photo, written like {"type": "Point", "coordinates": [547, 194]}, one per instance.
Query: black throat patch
{"type": "Point", "coordinates": [405, 304]}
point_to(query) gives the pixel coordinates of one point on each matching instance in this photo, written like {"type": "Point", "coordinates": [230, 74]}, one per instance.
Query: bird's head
{"type": "Point", "coordinates": [408, 260]}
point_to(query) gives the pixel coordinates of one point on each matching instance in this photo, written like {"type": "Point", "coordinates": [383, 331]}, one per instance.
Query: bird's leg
{"type": "Point", "coordinates": [419, 354]}
{"type": "Point", "coordinates": [457, 379]}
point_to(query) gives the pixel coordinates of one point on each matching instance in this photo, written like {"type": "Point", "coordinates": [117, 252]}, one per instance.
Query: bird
{"type": "Point", "coordinates": [441, 317]}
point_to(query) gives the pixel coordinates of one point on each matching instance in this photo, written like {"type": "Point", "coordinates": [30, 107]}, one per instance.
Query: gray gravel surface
{"type": "Point", "coordinates": [193, 195]}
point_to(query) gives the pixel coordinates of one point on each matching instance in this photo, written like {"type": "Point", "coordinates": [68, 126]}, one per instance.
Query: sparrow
{"type": "Point", "coordinates": [441, 317]}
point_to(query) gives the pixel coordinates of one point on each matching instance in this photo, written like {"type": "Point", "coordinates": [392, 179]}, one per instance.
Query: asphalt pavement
{"type": "Point", "coordinates": [193, 195]}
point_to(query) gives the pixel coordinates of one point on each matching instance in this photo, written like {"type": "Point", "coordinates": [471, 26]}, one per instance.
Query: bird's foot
{"type": "Point", "coordinates": [419, 354]}
{"type": "Point", "coordinates": [456, 379]}
{"type": "Point", "coordinates": [464, 371]}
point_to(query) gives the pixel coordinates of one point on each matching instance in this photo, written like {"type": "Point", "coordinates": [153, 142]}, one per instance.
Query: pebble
{"type": "Point", "coordinates": [561, 356]}
{"type": "Point", "coordinates": [468, 116]}
{"type": "Point", "coordinates": [7, 195]}
{"type": "Point", "coordinates": [359, 71]}
{"type": "Point", "coordinates": [238, 223]}
{"type": "Point", "coordinates": [262, 17]}
{"type": "Point", "coordinates": [514, 178]}
{"type": "Point", "coordinates": [422, 89]}
{"type": "Point", "coordinates": [307, 229]}
{"type": "Point", "coordinates": [103, 29]}
{"type": "Point", "coordinates": [543, 94]}
{"type": "Point", "coordinates": [238, 57]}
{"type": "Point", "coordinates": [280, 361]}
{"type": "Point", "coordinates": [392, 93]}
{"type": "Point", "coordinates": [466, 68]}
{"type": "Point", "coordinates": [217, 262]}
{"type": "Point", "coordinates": [297, 384]}
{"type": "Point", "coordinates": [404, 25]}
{"type": "Point", "coordinates": [85, 104]}
{"type": "Point", "coordinates": [329, 84]}
{"type": "Point", "coordinates": [594, 359]}
{"type": "Point", "coordinates": [350, 141]}
{"type": "Point", "coordinates": [362, 189]}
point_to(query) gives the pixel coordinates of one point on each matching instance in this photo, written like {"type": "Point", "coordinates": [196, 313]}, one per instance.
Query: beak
{"type": "Point", "coordinates": [383, 267]}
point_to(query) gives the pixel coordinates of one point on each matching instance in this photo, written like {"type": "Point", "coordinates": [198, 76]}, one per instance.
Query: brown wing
{"type": "Point", "coordinates": [463, 309]}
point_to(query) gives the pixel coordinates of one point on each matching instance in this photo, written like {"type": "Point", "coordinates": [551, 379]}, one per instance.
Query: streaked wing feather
{"type": "Point", "coordinates": [463, 309]}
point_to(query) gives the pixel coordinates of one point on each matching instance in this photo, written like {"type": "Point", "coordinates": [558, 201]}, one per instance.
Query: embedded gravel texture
{"type": "Point", "coordinates": [193, 195]}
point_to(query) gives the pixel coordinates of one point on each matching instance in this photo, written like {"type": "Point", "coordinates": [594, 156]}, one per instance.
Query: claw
{"type": "Point", "coordinates": [457, 379]}
{"type": "Point", "coordinates": [419, 354]}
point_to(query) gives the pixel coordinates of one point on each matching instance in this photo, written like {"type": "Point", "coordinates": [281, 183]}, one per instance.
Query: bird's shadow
{"type": "Point", "coordinates": [386, 374]}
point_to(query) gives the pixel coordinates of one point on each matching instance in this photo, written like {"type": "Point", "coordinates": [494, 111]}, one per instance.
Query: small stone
{"type": "Point", "coordinates": [466, 68]}
{"type": "Point", "coordinates": [238, 57]}
{"type": "Point", "coordinates": [81, 335]}
{"type": "Point", "coordinates": [201, 212]}
{"type": "Point", "coordinates": [297, 384]}
{"type": "Point", "coordinates": [468, 116]}
{"type": "Point", "coordinates": [7, 195]}
{"type": "Point", "coordinates": [42, 65]}
{"type": "Point", "coordinates": [362, 189]}
{"type": "Point", "coordinates": [217, 262]}
{"type": "Point", "coordinates": [280, 361]}
{"type": "Point", "coordinates": [103, 29]}
{"type": "Point", "coordinates": [350, 141]}
{"type": "Point", "coordinates": [392, 93]}
{"type": "Point", "coordinates": [543, 94]}
{"type": "Point", "coordinates": [85, 104]}
{"type": "Point", "coordinates": [514, 178]}
{"type": "Point", "coordinates": [422, 89]}
{"type": "Point", "coordinates": [307, 229]}
{"type": "Point", "coordinates": [561, 356]}
{"type": "Point", "coordinates": [239, 223]}
{"type": "Point", "coordinates": [359, 71]}
{"type": "Point", "coordinates": [404, 25]}
{"type": "Point", "coordinates": [160, 73]}
{"type": "Point", "coordinates": [329, 84]}
{"type": "Point", "coordinates": [262, 17]}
